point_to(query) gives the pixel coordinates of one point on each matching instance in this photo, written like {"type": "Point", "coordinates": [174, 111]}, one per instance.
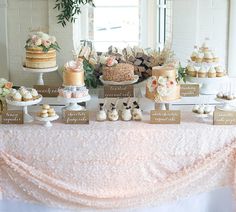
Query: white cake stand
{"type": "Point", "coordinates": [27, 118]}
{"type": "Point", "coordinates": [165, 105]}
{"type": "Point", "coordinates": [40, 72]}
{"type": "Point", "coordinates": [226, 104]}
{"type": "Point", "coordinates": [72, 103]}
{"type": "Point", "coordinates": [136, 78]}
{"type": "Point", "coordinates": [47, 121]}
{"type": "Point", "coordinates": [209, 86]}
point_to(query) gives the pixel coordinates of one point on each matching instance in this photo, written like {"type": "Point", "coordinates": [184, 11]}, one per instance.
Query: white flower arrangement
{"type": "Point", "coordinates": [108, 61]}
{"type": "Point", "coordinates": [43, 40]}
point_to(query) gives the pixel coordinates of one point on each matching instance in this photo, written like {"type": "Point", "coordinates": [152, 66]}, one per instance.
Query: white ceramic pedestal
{"type": "Point", "coordinates": [27, 118]}
{"type": "Point", "coordinates": [209, 86]}
{"type": "Point", "coordinates": [72, 103]}
{"type": "Point", "coordinates": [226, 105]}
{"type": "Point", "coordinates": [40, 72]}
{"type": "Point", "coordinates": [47, 121]}
{"type": "Point", "coordinates": [165, 105]}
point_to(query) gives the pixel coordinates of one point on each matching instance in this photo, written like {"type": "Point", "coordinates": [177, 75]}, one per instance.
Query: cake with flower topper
{"type": "Point", "coordinates": [162, 85]}
{"type": "Point", "coordinates": [41, 51]}
{"type": "Point", "coordinates": [116, 72]}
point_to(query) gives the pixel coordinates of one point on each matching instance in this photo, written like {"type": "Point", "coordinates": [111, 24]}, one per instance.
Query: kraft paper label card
{"type": "Point", "coordinates": [118, 91]}
{"type": "Point", "coordinates": [224, 118]}
{"type": "Point", "coordinates": [12, 117]}
{"type": "Point", "coordinates": [188, 90]}
{"type": "Point", "coordinates": [76, 117]}
{"type": "Point", "coordinates": [47, 90]}
{"type": "Point", "coordinates": [165, 117]}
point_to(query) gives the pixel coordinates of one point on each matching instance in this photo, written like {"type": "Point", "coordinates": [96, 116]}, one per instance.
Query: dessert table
{"type": "Point", "coordinates": [115, 164]}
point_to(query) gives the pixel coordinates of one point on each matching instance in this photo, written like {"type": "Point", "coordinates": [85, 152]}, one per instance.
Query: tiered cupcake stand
{"type": "Point", "coordinates": [209, 86]}
{"type": "Point", "coordinates": [40, 72]}
{"type": "Point", "coordinates": [27, 118]}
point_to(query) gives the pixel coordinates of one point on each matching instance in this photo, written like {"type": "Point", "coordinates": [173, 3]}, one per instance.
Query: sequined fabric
{"type": "Point", "coordinates": [114, 165]}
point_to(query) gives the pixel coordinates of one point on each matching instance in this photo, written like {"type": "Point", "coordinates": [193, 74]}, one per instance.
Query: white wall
{"type": "Point", "coordinates": [194, 20]}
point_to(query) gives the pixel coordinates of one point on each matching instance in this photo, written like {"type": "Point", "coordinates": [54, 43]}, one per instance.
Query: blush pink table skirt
{"type": "Point", "coordinates": [115, 164]}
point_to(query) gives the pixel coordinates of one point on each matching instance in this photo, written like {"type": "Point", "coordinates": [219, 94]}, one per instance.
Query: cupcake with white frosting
{"type": "Point", "coordinates": [220, 72]}
{"type": "Point", "coordinates": [17, 97]}
{"type": "Point", "coordinates": [191, 71]}
{"type": "Point", "coordinates": [34, 93]}
{"type": "Point", "coordinates": [212, 72]}
{"type": "Point", "coordinates": [199, 57]}
{"type": "Point", "coordinates": [202, 73]}
{"type": "Point", "coordinates": [27, 96]}
{"type": "Point", "coordinates": [194, 54]}
{"type": "Point", "coordinates": [208, 58]}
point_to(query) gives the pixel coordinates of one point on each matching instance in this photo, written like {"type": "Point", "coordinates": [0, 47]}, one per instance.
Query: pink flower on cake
{"type": "Point", "coordinates": [8, 85]}
{"type": "Point", "coordinates": [111, 61]}
{"type": "Point", "coordinates": [34, 38]}
{"type": "Point", "coordinates": [170, 84]}
{"type": "Point", "coordinates": [47, 43]}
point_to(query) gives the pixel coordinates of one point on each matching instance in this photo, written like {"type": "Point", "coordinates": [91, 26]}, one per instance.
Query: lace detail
{"type": "Point", "coordinates": [114, 165]}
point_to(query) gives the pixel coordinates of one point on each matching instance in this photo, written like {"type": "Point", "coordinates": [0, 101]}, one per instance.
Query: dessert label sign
{"type": "Point", "coordinates": [12, 117]}
{"type": "Point", "coordinates": [189, 90]}
{"type": "Point", "coordinates": [76, 117]}
{"type": "Point", "coordinates": [118, 91]}
{"type": "Point", "coordinates": [47, 91]}
{"type": "Point", "coordinates": [224, 118]}
{"type": "Point", "coordinates": [165, 117]}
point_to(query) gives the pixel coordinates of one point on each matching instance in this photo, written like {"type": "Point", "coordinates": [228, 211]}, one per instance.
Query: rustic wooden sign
{"type": "Point", "coordinates": [76, 117]}
{"type": "Point", "coordinates": [189, 90]}
{"type": "Point", "coordinates": [165, 117]}
{"type": "Point", "coordinates": [12, 117]}
{"type": "Point", "coordinates": [224, 118]}
{"type": "Point", "coordinates": [118, 91]}
{"type": "Point", "coordinates": [47, 90]}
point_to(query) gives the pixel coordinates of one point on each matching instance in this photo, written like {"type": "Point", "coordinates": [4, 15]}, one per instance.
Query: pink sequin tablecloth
{"type": "Point", "coordinates": [115, 164]}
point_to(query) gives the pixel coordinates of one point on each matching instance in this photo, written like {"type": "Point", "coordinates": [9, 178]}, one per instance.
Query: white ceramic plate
{"type": "Point", "coordinates": [136, 78]}
{"type": "Point", "coordinates": [53, 118]}
{"type": "Point", "coordinates": [225, 100]}
{"type": "Point", "coordinates": [42, 70]}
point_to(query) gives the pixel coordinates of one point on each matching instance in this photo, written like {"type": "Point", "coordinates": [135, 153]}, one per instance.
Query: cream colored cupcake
{"type": "Point", "coordinates": [27, 97]}
{"type": "Point", "coordinates": [212, 72]}
{"type": "Point", "coordinates": [216, 59]}
{"type": "Point", "coordinates": [199, 57]}
{"type": "Point", "coordinates": [191, 71]}
{"type": "Point", "coordinates": [202, 73]}
{"type": "Point", "coordinates": [44, 115]}
{"type": "Point", "coordinates": [208, 58]}
{"type": "Point", "coordinates": [194, 54]}
{"type": "Point", "coordinates": [34, 93]}
{"type": "Point", "coordinates": [17, 97]}
{"type": "Point", "coordinates": [220, 71]}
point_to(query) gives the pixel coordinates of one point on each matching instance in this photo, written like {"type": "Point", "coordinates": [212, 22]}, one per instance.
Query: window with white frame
{"type": "Point", "coordinates": [146, 23]}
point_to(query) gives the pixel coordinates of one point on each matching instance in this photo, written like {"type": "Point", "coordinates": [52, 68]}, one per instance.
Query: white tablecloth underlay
{"type": "Point", "coordinates": [115, 165]}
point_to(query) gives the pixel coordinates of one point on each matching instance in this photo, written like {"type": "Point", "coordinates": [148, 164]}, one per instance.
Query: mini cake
{"type": "Point", "coordinates": [41, 51]}
{"type": "Point", "coordinates": [208, 58]}
{"type": "Point", "coordinates": [220, 71]}
{"type": "Point", "coordinates": [73, 74]}
{"type": "Point", "coordinates": [202, 72]}
{"type": "Point", "coordinates": [212, 72]}
{"type": "Point", "coordinates": [112, 71]}
{"type": "Point", "coordinates": [162, 86]}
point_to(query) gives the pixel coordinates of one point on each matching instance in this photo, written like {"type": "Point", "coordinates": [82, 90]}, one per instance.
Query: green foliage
{"type": "Point", "coordinates": [69, 9]}
{"type": "Point", "coordinates": [90, 78]}
{"type": "Point", "coordinates": [181, 74]}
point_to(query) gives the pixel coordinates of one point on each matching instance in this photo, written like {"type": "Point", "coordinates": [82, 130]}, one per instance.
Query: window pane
{"type": "Point", "coordinates": [103, 46]}
{"type": "Point", "coordinates": [113, 3]}
{"type": "Point", "coordinates": [117, 28]}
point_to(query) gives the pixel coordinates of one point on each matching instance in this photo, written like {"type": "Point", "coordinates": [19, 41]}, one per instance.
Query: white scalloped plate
{"type": "Point", "coordinates": [23, 103]}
